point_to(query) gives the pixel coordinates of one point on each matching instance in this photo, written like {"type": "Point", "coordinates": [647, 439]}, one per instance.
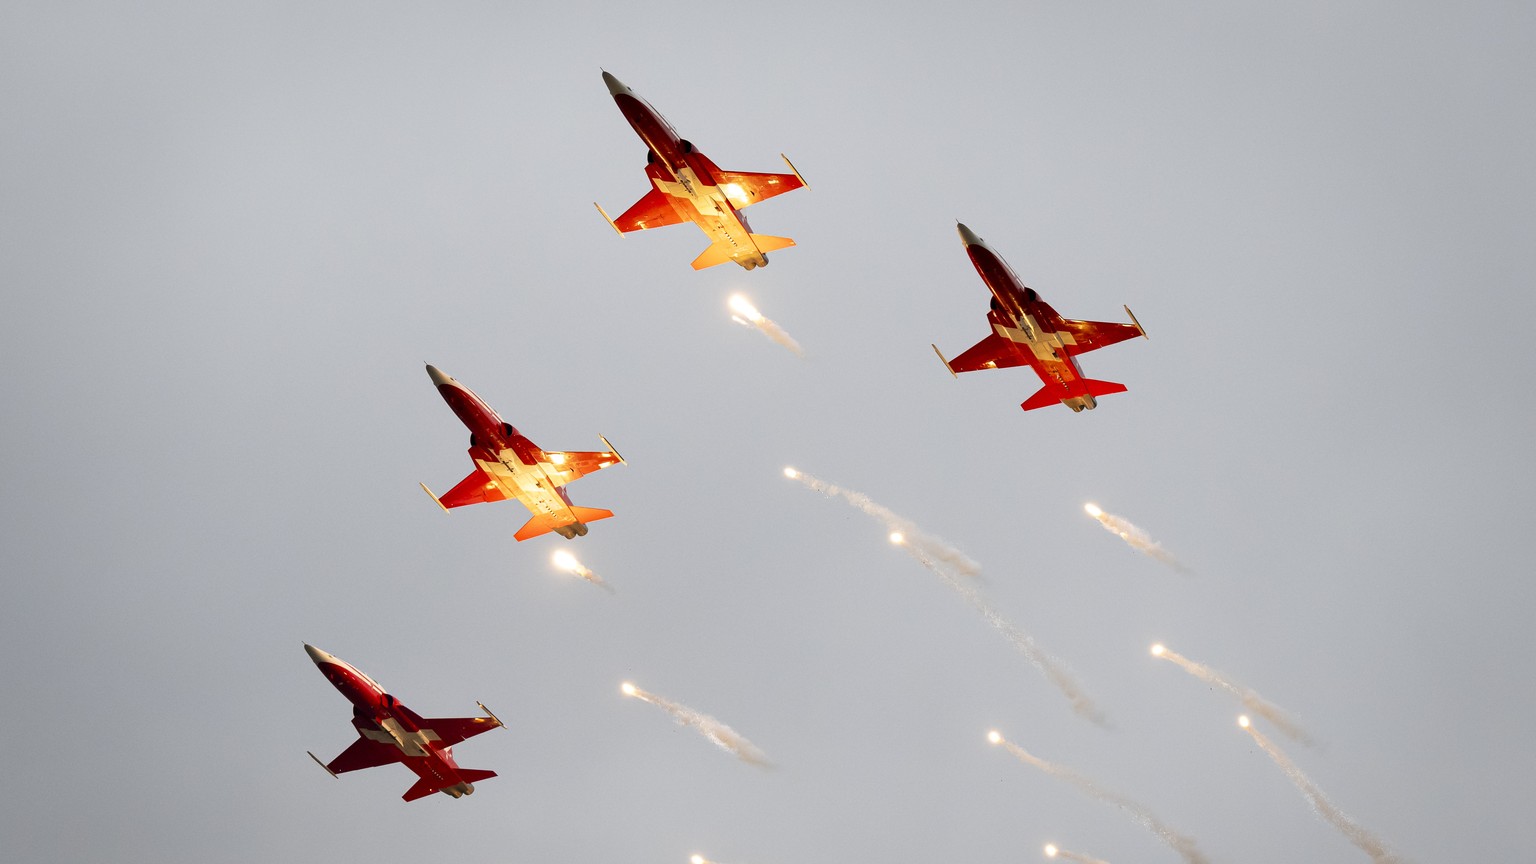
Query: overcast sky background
{"type": "Point", "coordinates": [230, 235]}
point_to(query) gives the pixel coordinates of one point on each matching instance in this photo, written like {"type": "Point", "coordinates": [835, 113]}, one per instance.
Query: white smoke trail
{"type": "Point", "coordinates": [1250, 700]}
{"type": "Point", "coordinates": [1367, 842]}
{"type": "Point", "coordinates": [1179, 843]}
{"type": "Point", "coordinates": [1052, 851]}
{"type": "Point", "coordinates": [1054, 670]}
{"type": "Point", "coordinates": [950, 564]}
{"type": "Point", "coordinates": [745, 314]}
{"type": "Point", "coordinates": [725, 737]}
{"type": "Point", "coordinates": [1135, 537]}
{"type": "Point", "coordinates": [916, 542]}
{"type": "Point", "coordinates": [567, 562]}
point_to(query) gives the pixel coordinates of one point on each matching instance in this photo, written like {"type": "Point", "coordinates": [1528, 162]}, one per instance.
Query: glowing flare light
{"type": "Point", "coordinates": [1133, 536]}
{"type": "Point", "coordinates": [568, 563]}
{"type": "Point", "coordinates": [723, 736]}
{"type": "Point", "coordinates": [745, 314]}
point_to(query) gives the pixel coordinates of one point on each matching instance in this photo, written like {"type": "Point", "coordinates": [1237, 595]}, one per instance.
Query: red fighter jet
{"type": "Point", "coordinates": [689, 187]}
{"type": "Point", "coordinates": [391, 732]}
{"type": "Point", "coordinates": [507, 465]}
{"type": "Point", "coordinates": [1027, 331]}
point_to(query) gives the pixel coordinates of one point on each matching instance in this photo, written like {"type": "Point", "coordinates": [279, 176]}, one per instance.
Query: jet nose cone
{"type": "Point", "coordinates": [317, 655]}
{"type": "Point", "coordinates": [615, 86]}
{"type": "Point", "coordinates": [967, 236]}
{"type": "Point", "coordinates": [438, 378]}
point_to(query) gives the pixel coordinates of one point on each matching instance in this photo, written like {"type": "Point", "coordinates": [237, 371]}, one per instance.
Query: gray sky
{"type": "Point", "coordinates": [230, 236]}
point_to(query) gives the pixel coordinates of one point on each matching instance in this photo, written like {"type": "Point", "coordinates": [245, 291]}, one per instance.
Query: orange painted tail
{"type": "Point", "coordinates": [545, 524]}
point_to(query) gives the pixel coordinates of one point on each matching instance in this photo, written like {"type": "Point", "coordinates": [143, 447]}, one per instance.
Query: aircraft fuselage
{"type": "Point", "coordinates": [1036, 333]}
{"type": "Point", "coordinates": [687, 178]}
{"type": "Point", "coordinates": [378, 716]}
{"type": "Point", "coordinates": [511, 461]}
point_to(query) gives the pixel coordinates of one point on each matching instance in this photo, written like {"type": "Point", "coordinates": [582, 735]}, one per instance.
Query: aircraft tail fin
{"type": "Point", "coordinates": [1051, 394]}
{"type": "Point", "coordinates": [1101, 388]}
{"type": "Point", "coordinates": [717, 253]}
{"type": "Point", "coordinates": [543, 524]}
{"type": "Point", "coordinates": [721, 251]}
{"type": "Point", "coordinates": [421, 789]}
{"type": "Point", "coordinates": [591, 514]}
{"type": "Point", "coordinates": [768, 243]}
{"type": "Point", "coordinates": [429, 785]}
{"type": "Point", "coordinates": [1045, 397]}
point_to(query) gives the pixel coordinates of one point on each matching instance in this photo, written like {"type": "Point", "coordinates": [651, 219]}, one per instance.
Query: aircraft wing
{"type": "Point", "coordinates": [452, 730]}
{"type": "Point", "coordinates": [565, 466]}
{"type": "Point", "coordinates": [1093, 335]}
{"type": "Point", "coordinates": [477, 488]}
{"type": "Point", "coordinates": [744, 189]}
{"type": "Point", "coordinates": [993, 352]}
{"type": "Point", "coordinates": [364, 753]}
{"type": "Point", "coordinates": [652, 211]}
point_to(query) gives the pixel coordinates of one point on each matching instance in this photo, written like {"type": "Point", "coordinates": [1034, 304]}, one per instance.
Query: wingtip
{"type": "Point", "coordinates": [943, 360]}
{"type": "Point", "coordinates": [323, 765]}
{"type": "Point", "coordinates": [608, 219]}
{"type": "Point", "coordinates": [614, 450]}
{"type": "Point", "coordinates": [488, 713]}
{"type": "Point", "coordinates": [798, 175]}
{"type": "Point", "coordinates": [1135, 323]}
{"type": "Point", "coordinates": [435, 499]}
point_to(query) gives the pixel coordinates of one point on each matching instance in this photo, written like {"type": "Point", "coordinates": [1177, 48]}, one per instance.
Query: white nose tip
{"type": "Point", "coordinates": [615, 86]}
{"type": "Point", "coordinates": [967, 236]}
{"type": "Point", "coordinates": [438, 378]}
{"type": "Point", "coordinates": [317, 655]}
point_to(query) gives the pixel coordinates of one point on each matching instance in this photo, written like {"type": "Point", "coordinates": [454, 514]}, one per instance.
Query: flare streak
{"type": "Point", "coordinates": [1179, 843]}
{"type": "Point", "coordinates": [1368, 843]}
{"type": "Point", "coordinates": [723, 736]}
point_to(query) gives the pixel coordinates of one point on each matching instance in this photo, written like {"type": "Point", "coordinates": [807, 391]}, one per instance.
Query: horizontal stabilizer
{"type": "Point", "coordinates": [1100, 388]}
{"type": "Point", "coordinates": [475, 775]}
{"type": "Point", "coordinates": [1052, 394]}
{"type": "Point", "coordinates": [544, 524]}
{"type": "Point", "coordinates": [767, 243]}
{"type": "Point", "coordinates": [1045, 397]}
{"type": "Point", "coordinates": [717, 253]}
{"type": "Point", "coordinates": [592, 514]}
{"type": "Point", "coordinates": [422, 788]}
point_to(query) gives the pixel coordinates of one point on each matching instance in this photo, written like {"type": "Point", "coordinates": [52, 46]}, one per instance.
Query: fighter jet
{"type": "Point", "coordinates": [686, 186]}
{"type": "Point", "coordinates": [391, 732]}
{"type": "Point", "coordinates": [1027, 331]}
{"type": "Point", "coordinates": [507, 465]}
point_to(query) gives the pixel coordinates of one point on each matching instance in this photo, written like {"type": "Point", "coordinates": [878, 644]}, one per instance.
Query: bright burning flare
{"type": "Point", "coordinates": [1242, 720]}
{"type": "Point", "coordinates": [791, 473]}
{"type": "Point", "coordinates": [1250, 700]}
{"type": "Point", "coordinates": [1134, 537]}
{"type": "Point", "coordinates": [567, 562]}
{"type": "Point", "coordinates": [897, 538]}
{"type": "Point", "coordinates": [697, 859]}
{"type": "Point", "coordinates": [745, 314]}
{"type": "Point", "coordinates": [995, 737]}
{"type": "Point", "coordinates": [721, 735]}
{"type": "Point", "coordinates": [1050, 850]}
{"type": "Point", "coordinates": [743, 307]}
